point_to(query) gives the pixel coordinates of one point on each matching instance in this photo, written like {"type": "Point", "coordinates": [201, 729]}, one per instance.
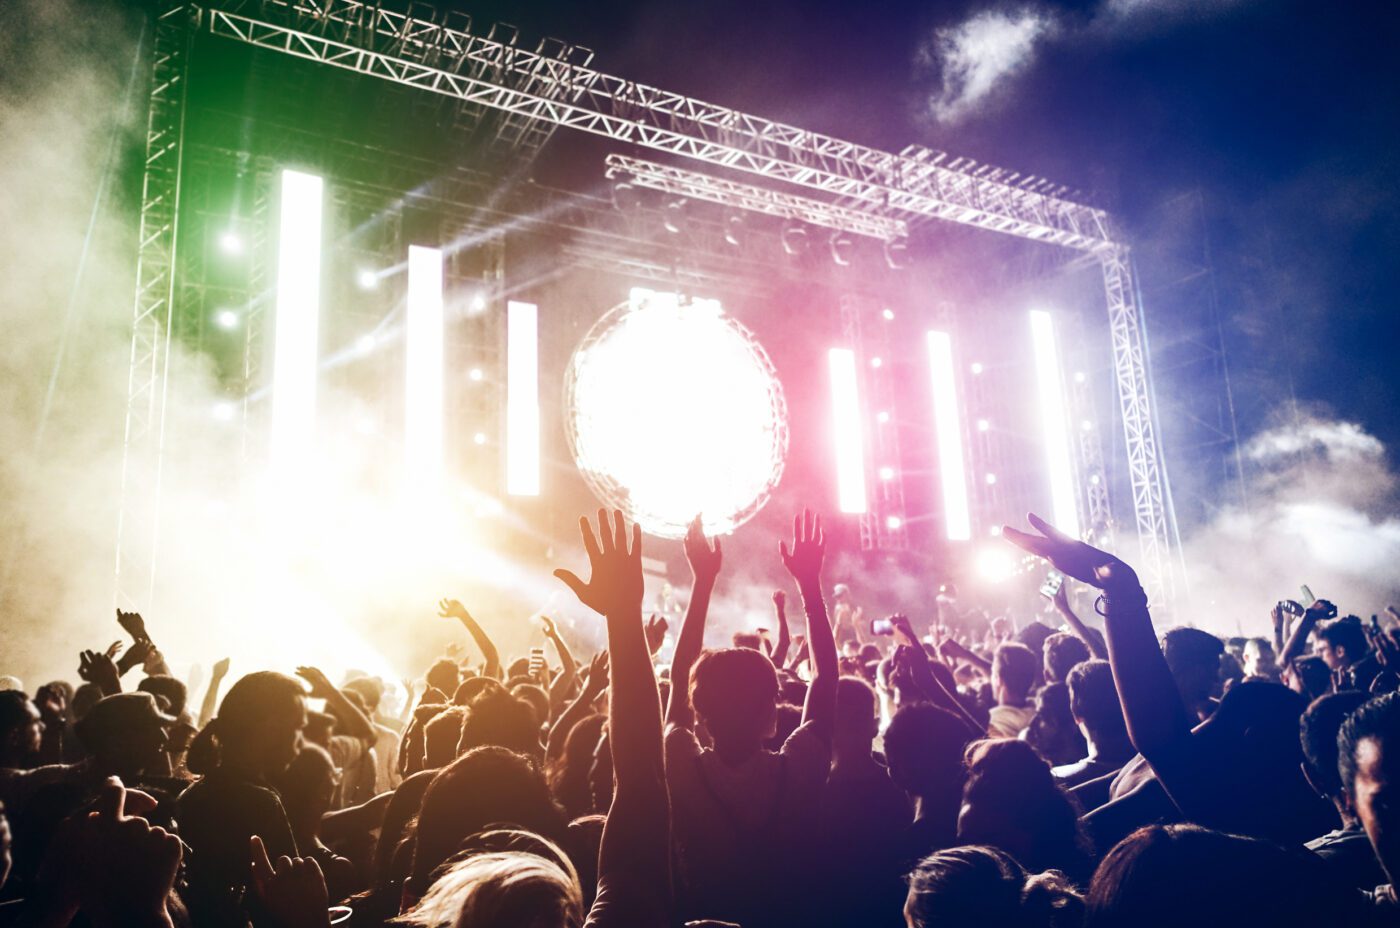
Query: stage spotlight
{"type": "Point", "coordinates": [887, 473]}
{"type": "Point", "coordinates": [479, 438]}
{"type": "Point", "coordinates": [522, 400]}
{"type": "Point", "coordinates": [842, 245]}
{"type": "Point", "coordinates": [1086, 426]}
{"type": "Point", "coordinates": [365, 343]}
{"type": "Point", "coordinates": [882, 417]}
{"type": "Point", "coordinates": [1078, 376]}
{"type": "Point", "coordinates": [1050, 390]}
{"type": "Point", "coordinates": [983, 425]}
{"type": "Point", "coordinates": [675, 220]}
{"type": "Point", "coordinates": [651, 442]}
{"type": "Point", "coordinates": [475, 375]}
{"type": "Point", "coordinates": [423, 364]}
{"type": "Point", "coordinates": [888, 314]}
{"type": "Point", "coordinates": [224, 411]}
{"type": "Point", "coordinates": [952, 470]}
{"type": "Point", "coordinates": [795, 238]}
{"type": "Point", "coordinates": [850, 446]}
{"type": "Point", "coordinates": [991, 479]}
{"type": "Point", "coordinates": [226, 319]}
{"type": "Point", "coordinates": [897, 253]}
{"type": "Point", "coordinates": [977, 367]}
{"type": "Point", "coordinates": [894, 523]}
{"type": "Point", "coordinates": [626, 197]}
{"type": "Point", "coordinates": [366, 279]}
{"type": "Point", "coordinates": [478, 304]}
{"type": "Point", "coordinates": [295, 361]}
{"type": "Point", "coordinates": [231, 243]}
{"type": "Point", "coordinates": [877, 362]}
{"type": "Point", "coordinates": [995, 564]}
{"type": "Point", "coordinates": [734, 229]}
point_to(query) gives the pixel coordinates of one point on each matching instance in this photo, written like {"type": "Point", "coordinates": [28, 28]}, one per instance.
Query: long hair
{"type": "Point", "coordinates": [243, 714]}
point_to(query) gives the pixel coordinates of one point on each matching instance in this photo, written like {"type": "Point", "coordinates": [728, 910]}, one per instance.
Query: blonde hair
{"type": "Point", "coordinates": [502, 889]}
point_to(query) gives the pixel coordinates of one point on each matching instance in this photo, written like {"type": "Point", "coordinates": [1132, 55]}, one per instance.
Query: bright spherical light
{"type": "Point", "coordinates": [877, 362]}
{"type": "Point", "coordinates": [230, 243]}
{"type": "Point", "coordinates": [365, 344]}
{"type": "Point", "coordinates": [226, 319]}
{"type": "Point", "coordinates": [995, 564]}
{"type": "Point", "coordinates": [977, 367]}
{"type": "Point", "coordinates": [224, 411]}
{"type": "Point", "coordinates": [888, 314]}
{"type": "Point", "coordinates": [475, 375]}
{"type": "Point", "coordinates": [479, 303]}
{"type": "Point", "coordinates": [479, 438]}
{"type": "Point", "coordinates": [882, 417]}
{"type": "Point", "coordinates": [366, 279]}
{"type": "Point", "coordinates": [887, 473]}
{"type": "Point", "coordinates": [894, 523]}
{"type": "Point", "coordinates": [983, 425]}
{"type": "Point", "coordinates": [675, 409]}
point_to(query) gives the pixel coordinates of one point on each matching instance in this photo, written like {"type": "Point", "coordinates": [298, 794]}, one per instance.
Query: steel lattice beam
{"type": "Point", "coordinates": [395, 46]}
{"type": "Point", "coordinates": [697, 186]}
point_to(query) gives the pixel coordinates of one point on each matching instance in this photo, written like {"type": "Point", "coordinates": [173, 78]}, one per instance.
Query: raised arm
{"type": "Point", "coordinates": [705, 561]}
{"type": "Point", "coordinates": [568, 676]}
{"type": "Point", "coordinates": [804, 562]}
{"type": "Point", "coordinates": [1092, 640]}
{"type": "Point", "coordinates": [634, 868]}
{"type": "Point", "coordinates": [451, 608]}
{"type": "Point", "coordinates": [780, 650]}
{"type": "Point", "coordinates": [211, 695]}
{"type": "Point", "coordinates": [354, 722]}
{"type": "Point", "coordinates": [1298, 640]}
{"type": "Point", "coordinates": [593, 687]}
{"type": "Point", "coordinates": [924, 678]}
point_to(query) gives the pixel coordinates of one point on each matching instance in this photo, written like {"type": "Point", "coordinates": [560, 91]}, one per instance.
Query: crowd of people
{"type": "Point", "coordinates": [844, 774]}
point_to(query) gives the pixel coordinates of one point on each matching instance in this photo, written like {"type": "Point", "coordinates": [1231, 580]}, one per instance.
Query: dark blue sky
{"type": "Point", "coordinates": [1283, 115]}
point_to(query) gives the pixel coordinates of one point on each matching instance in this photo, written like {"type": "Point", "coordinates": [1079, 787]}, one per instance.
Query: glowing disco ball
{"type": "Point", "coordinates": [675, 409]}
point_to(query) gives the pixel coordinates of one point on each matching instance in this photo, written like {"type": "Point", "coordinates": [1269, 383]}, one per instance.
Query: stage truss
{"type": "Point", "coordinates": [872, 192]}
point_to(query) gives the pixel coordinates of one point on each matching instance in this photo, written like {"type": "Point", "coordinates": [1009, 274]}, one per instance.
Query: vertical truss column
{"type": "Point", "coordinates": [1146, 470]}
{"type": "Point", "coordinates": [882, 525]}
{"type": "Point", "coordinates": [139, 500]}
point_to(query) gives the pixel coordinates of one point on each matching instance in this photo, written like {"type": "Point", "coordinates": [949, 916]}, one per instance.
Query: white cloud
{"type": "Point", "coordinates": [979, 55]}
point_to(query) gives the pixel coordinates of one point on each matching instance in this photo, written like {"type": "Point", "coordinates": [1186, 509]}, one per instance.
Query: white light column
{"type": "Point", "coordinates": [522, 399]}
{"type": "Point", "coordinates": [1053, 418]}
{"type": "Point", "coordinates": [295, 352]}
{"type": "Point", "coordinates": [952, 470]}
{"type": "Point", "coordinates": [846, 429]}
{"type": "Point", "coordinates": [423, 357]}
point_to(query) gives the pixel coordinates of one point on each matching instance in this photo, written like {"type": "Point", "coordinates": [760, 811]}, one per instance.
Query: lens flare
{"type": "Point", "coordinates": [675, 409]}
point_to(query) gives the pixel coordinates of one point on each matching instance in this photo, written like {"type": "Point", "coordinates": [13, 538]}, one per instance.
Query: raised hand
{"type": "Point", "coordinates": [804, 560]}
{"type": "Point", "coordinates": [779, 600]}
{"type": "Point", "coordinates": [100, 670]}
{"type": "Point", "coordinates": [615, 586]}
{"type": "Point", "coordinates": [1070, 556]}
{"type": "Point", "coordinates": [134, 656]}
{"type": "Point", "coordinates": [550, 631]}
{"type": "Point", "coordinates": [133, 624]}
{"type": "Point", "coordinates": [656, 633]}
{"type": "Point", "coordinates": [904, 629]}
{"type": "Point", "coordinates": [321, 686]}
{"type": "Point", "coordinates": [453, 609]}
{"type": "Point", "coordinates": [597, 674]}
{"type": "Point", "coordinates": [293, 892]}
{"type": "Point", "coordinates": [220, 669]}
{"type": "Point", "coordinates": [127, 866]}
{"type": "Point", "coordinates": [705, 559]}
{"type": "Point", "coordinates": [114, 649]}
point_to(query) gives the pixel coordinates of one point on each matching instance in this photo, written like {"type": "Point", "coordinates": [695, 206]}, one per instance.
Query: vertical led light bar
{"type": "Point", "coordinates": [1050, 386]}
{"type": "Point", "coordinates": [295, 363]}
{"type": "Point", "coordinates": [850, 443]}
{"type": "Point", "coordinates": [951, 468]}
{"type": "Point", "coordinates": [522, 399]}
{"type": "Point", "coordinates": [423, 386]}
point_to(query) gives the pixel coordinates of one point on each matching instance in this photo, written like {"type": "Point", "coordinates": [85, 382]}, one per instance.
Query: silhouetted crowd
{"type": "Point", "coordinates": [847, 773]}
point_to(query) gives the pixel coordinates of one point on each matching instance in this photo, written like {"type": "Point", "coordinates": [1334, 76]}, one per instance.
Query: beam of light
{"type": "Point", "coordinates": [952, 470]}
{"type": "Point", "coordinates": [1049, 386]}
{"type": "Point", "coordinates": [845, 420]}
{"type": "Point", "coordinates": [423, 383]}
{"type": "Point", "coordinates": [294, 366]}
{"type": "Point", "coordinates": [522, 399]}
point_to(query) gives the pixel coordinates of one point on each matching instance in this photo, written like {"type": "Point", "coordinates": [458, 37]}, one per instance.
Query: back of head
{"type": "Point", "coordinates": [16, 711]}
{"type": "Point", "coordinates": [167, 688]}
{"type": "Point", "coordinates": [307, 786]}
{"type": "Point", "coordinates": [444, 675]}
{"type": "Point", "coordinates": [976, 886]}
{"type": "Point", "coordinates": [250, 723]}
{"type": "Point", "coordinates": [442, 735]}
{"type": "Point", "coordinates": [535, 696]}
{"type": "Point", "coordinates": [735, 693]}
{"type": "Point", "coordinates": [924, 745]}
{"type": "Point", "coordinates": [1194, 658]}
{"type": "Point", "coordinates": [486, 786]}
{"type": "Point", "coordinates": [473, 687]}
{"type": "Point", "coordinates": [1093, 699]}
{"type": "Point", "coordinates": [1012, 801]}
{"type": "Point", "coordinates": [498, 718]}
{"type": "Point", "coordinates": [1377, 720]}
{"type": "Point", "coordinates": [1318, 731]}
{"type": "Point", "coordinates": [1062, 652]}
{"type": "Point", "coordinates": [1016, 666]}
{"type": "Point", "coordinates": [857, 712]}
{"type": "Point", "coordinates": [1177, 875]}
{"type": "Point", "coordinates": [370, 689]}
{"type": "Point", "coordinates": [529, 883]}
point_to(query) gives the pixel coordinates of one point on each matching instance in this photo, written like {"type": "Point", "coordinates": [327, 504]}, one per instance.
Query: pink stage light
{"type": "Point", "coordinates": [850, 442]}
{"type": "Point", "coordinates": [1054, 420]}
{"type": "Point", "coordinates": [948, 427]}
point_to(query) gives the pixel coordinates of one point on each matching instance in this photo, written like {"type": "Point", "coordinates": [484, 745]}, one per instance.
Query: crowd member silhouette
{"type": "Point", "coordinates": [976, 776]}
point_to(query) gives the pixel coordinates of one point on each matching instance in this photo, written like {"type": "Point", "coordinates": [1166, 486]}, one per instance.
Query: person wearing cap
{"type": "Point", "coordinates": [845, 617]}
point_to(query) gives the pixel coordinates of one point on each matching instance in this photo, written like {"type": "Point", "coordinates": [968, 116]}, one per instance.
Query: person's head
{"type": "Point", "coordinates": [1011, 801]}
{"type": "Point", "coordinates": [786, 718]}
{"type": "Point", "coordinates": [441, 736]}
{"type": "Point", "coordinates": [126, 733]}
{"type": "Point", "coordinates": [1014, 669]}
{"type": "Point", "coordinates": [857, 718]}
{"type": "Point", "coordinates": [84, 698]}
{"type": "Point", "coordinates": [1318, 732]}
{"type": "Point", "coordinates": [924, 746]}
{"type": "Point", "coordinates": [1167, 876]}
{"type": "Point", "coordinates": [166, 689]}
{"type": "Point", "coordinates": [444, 675]}
{"type": "Point", "coordinates": [496, 717]}
{"type": "Point", "coordinates": [1310, 677]}
{"type": "Point", "coordinates": [320, 726]}
{"type": "Point", "coordinates": [1258, 658]}
{"type": "Point", "coordinates": [984, 887]}
{"type": "Point", "coordinates": [472, 687]}
{"type": "Point", "coordinates": [258, 729]}
{"type": "Point", "coordinates": [569, 773]}
{"type": "Point", "coordinates": [1368, 760]}
{"type": "Point", "coordinates": [484, 787]}
{"type": "Point", "coordinates": [537, 698]}
{"type": "Point", "coordinates": [1340, 643]}
{"type": "Point", "coordinates": [20, 730]}
{"type": "Point", "coordinates": [1093, 701]}
{"type": "Point", "coordinates": [307, 787]}
{"type": "Point", "coordinates": [370, 689]}
{"type": "Point", "coordinates": [735, 694]}
{"type": "Point", "coordinates": [1062, 652]}
{"type": "Point", "coordinates": [519, 880]}
{"type": "Point", "coordinates": [1194, 659]}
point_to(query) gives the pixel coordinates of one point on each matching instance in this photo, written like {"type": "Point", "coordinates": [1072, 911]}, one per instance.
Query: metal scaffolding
{"type": "Point", "coordinates": [544, 90]}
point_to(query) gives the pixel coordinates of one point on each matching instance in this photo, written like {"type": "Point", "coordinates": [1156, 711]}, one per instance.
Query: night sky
{"type": "Point", "coordinates": [1280, 117]}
